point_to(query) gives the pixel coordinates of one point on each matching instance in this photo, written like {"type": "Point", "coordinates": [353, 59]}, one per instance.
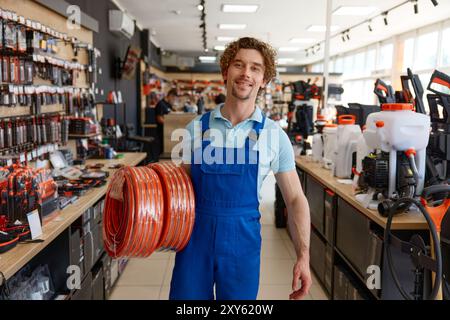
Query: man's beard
{"type": "Point", "coordinates": [237, 96]}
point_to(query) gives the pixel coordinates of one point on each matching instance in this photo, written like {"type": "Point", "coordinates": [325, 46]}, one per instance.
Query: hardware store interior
{"type": "Point", "coordinates": [105, 195]}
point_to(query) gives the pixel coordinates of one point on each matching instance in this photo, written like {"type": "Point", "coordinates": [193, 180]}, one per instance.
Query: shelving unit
{"type": "Point", "coordinates": [352, 235]}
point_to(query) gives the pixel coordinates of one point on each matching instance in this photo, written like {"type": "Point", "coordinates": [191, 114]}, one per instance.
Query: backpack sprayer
{"type": "Point", "coordinates": [398, 137]}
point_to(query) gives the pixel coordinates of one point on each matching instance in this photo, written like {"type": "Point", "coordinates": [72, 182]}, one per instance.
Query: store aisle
{"type": "Point", "coordinates": [150, 278]}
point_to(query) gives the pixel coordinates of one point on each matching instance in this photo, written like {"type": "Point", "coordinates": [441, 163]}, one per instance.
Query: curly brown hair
{"type": "Point", "coordinates": [268, 53]}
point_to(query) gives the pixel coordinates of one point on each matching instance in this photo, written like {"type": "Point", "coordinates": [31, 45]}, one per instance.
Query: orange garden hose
{"type": "Point", "coordinates": [147, 209]}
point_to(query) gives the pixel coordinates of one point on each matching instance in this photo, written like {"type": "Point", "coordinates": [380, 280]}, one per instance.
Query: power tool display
{"type": "Point", "coordinates": [23, 190]}
{"type": "Point", "coordinates": [348, 134]}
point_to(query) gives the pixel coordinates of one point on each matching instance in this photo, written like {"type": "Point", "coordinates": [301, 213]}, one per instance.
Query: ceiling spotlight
{"type": "Point", "coordinates": [416, 6]}
{"type": "Point", "coordinates": [206, 50]}
{"type": "Point", "coordinates": [435, 3]}
{"type": "Point", "coordinates": [307, 52]}
{"type": "Point", "coordinates": [343, 37]}
{"type": "Point", "coordinates": [202, 25]}
{"type": "Point", "coordinates": [318, 47]}
{"type": "Point", "coordinates": [385, 18]}
{"type": "Point", "coordinates": [370, 26]}
{"type": "Point", "coordinates": [200, 7]}
{"type": "Point", "coordinates": [348, 35]}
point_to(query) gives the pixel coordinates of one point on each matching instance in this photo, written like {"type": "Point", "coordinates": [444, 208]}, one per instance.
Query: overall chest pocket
{"type": "Point", "coordinates": [224, 161]}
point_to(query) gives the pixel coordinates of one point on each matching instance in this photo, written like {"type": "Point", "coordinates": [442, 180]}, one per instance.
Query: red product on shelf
{"type": "Point", "coordinates": [148, 208]}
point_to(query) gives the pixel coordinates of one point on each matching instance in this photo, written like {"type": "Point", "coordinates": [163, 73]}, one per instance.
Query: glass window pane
{"type": "Point", "coordinates": [370, 61]}
{"type": "Point", "coordinates": [348, 65]}
{"type": "Point", "coordinates": [385, 57]}
{"type": "Point", "coordinates": [408, 54]}
{"type": "Point", "coordinates": [427, 45]}
{"type": "Point", "coordinates": [446, 48]}
{"type": "Point", "coordinates": [339, 65]}
{"type": "Point", "coordinates": [358, 66]}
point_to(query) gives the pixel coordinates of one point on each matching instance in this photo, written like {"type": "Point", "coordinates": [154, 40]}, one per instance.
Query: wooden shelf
{"type": "Point", "coordinates": [408, 221]}
{"type": "Point", "coordinates": [13, 260]}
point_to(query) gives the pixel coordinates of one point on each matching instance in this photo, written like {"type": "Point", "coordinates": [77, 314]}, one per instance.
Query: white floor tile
{"type": "Point", "coordinates": [135, 293]}
{"type": "Point", "coordinates": [143, 272]}
{"type": "Point", "coordinates": [318, 293]}
{"type": "Point", "coordinates": [274, 249]}
{"type": "Point", "coordinates": [276, 271]}
{"type": "Point", "coordinates": [164, 294]}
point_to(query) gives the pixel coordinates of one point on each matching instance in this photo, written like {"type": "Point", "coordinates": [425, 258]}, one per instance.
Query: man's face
{"type": "Point", "coordinates": [171, 99]}
{"type": "Point", "coordinates": [245, 74]}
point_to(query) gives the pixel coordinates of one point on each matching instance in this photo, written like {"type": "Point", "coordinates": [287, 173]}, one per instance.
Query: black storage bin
{"type": "Point", "coordinates": [85, 292]}
{"type": "Point", "coordinates": [340, 284]}
{"type": "Point", "coordinates": [317, 255]}
{"type": "Point", "coordinates": [76, 256]}
{"type": "Point", "coordinates": [302, 178]}
{"type": "Point", "coordinates": [315, 195]}
{"type": "Point", "coordinates": [98, 290]}
{"type": "Point", "coordinates": [330, 215]}
{"type": "Point", "coordinates": [328, 275]}
{"type": "Point", "coordinates": [352, 235]}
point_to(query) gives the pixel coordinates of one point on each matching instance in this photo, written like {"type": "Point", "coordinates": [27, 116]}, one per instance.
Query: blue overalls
{"type": "Point", "coordinates": [225, 245]}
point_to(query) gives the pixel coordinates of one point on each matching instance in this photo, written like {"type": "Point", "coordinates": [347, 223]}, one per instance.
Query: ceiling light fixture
{"type": "Point", "coordinates": [385, 18]}
{"type": "Point", "coordinates": [200, 7]}
{"type": "Point", "coordinates": [416, 6]}
{"type": "Point", "coordinates": [227, 26]}
{"type": "Point", "coordinates": [343, 37]}
{"type": "Point", "coordinates": [288, 49]}
{"type": "Point", "coordinates": [240, 8]}
{"type": "Point", "coordinates": [225, 39]}
{"type": "Point", "coordinates": [320, 28]}
{"type": "Point", "coordinates": [369, 25]}
{"type": "Point", "coordinates": [435, 3]}
{"type": "Point", "coordinates": [219, 48]}
{"type": "Point", "coordinates": [302, 40]}
{"type": "Point", "coordinates": [354, 11]}
{"type": "Point", "coordinates": [207, 59]}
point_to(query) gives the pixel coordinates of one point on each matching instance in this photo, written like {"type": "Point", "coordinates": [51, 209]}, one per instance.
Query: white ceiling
{"type": "Point", "coordinates": [276, 22]}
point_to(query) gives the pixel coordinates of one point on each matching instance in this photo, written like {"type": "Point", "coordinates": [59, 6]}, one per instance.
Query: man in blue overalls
{"type": "Point", "coordinates": [227, 173]}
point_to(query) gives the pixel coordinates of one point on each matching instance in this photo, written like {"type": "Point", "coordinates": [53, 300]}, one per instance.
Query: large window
{"type": "Point", "coordinates": [408, 54]}
{"type": "Point", "coordinates": [445, 62]}
{"type": "Point", "coordinates": [370, 61]}
{"type": "Point", "coordinates": [385, 57]}
{"type": "Point", "coordinates": [427, 47]}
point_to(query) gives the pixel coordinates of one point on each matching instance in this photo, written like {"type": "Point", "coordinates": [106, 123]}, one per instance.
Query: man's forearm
{"type": "Point", "coordinates": [299, 224]}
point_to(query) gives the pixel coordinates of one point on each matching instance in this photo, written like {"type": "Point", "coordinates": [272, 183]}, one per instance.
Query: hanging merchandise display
{"type": "Point", "coordinates": [348, 134]}
{"type": "Point", "coordinates": [396, 169]}
{"type": "Point", "coordinates": [317, 142]}
{"type": "Point", "coordinates": [148, 208]}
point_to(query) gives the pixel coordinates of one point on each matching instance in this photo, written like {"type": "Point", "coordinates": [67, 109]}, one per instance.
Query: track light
{"type": "Point", "coordinates": [369, 25]}
{"type": "Point", "coordinates": [348, 35]}
{"type": "Point", "coordinates": [200, 7]}
{"type": "Point", "coordinates": [307, 52]}
{"type": "Point", "coordinates": [343, 37]}
{"type": "Point", "coordinates": [385, 18]}
{"type": "Point", "coordinates": [435, 3]}
{"type": "Point", "coordinates": [416, 6]}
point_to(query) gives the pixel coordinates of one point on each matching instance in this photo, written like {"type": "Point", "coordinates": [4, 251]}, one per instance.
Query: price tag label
{"type": "Point", "coordinates": [35, 224]}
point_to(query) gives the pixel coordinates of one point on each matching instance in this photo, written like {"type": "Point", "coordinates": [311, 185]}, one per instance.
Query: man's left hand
{"type": "Point", "coordinates": [302, 275]}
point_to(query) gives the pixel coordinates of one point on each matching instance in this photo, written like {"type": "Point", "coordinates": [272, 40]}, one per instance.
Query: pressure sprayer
{"type": "Point", "coordinates": [396, 169]}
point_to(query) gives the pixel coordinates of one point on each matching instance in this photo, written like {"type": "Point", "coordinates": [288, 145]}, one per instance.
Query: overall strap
{"type": "Point", "coordinates": [205, 121]}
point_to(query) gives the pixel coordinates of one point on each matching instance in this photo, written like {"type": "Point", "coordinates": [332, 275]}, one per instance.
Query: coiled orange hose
{"type": "Point", "coordinates": [146, 209]}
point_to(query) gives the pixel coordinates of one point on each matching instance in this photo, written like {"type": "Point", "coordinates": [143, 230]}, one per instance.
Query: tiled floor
{"type": "Point", "coordinates": [150, 278]}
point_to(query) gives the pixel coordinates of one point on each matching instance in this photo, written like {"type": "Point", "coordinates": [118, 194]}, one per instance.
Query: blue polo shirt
{"type": "Point", "coordinates": [275, 149]}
